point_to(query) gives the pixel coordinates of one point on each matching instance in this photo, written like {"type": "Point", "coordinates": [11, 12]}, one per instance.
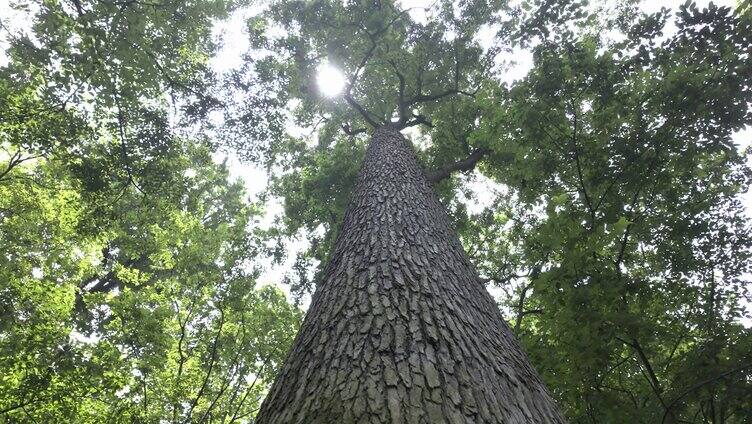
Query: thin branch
{"type": "Point", "coordinates": [233, 366]}
{"type": "Point", "coordinates": [521, 307]}
{"type": "Point", "coordinates": [183, 358]}
{"type": "Point", "coordinates": [699, 385]}
{"type": "Point", "coordinates": [611, 369]}
{"type": "Point", "coordinates": [247, 392]}
{"type": "Point", "coordinates": [651, 376]}
{"type": "Point", "coordinates": [28, 415]}
{"type": "Point", "coordinates": [625, 236]}
{"type": "Point", "coordinates": [175, 82]}
{"type": "Point", "coordinates": [79, 8]}
{"type": "Point", "coordinates": [21, 405]}
{"type": "Point", "coordinates": [455, 89]}
{"type": "Point", "coordinates": [123, 147]}
{"type": "Point", "coordinates": [213, 360]}
{"type": "Point", "coordinates": [423, 98]}
{"type": "Point", "coordinates": [521, 312]}
{"type": "Point", "coordinates": [354, 78]}
{"type": "Point", "coordinates": [576, 153]}
{"type": "Point", "coordinates": [15, 160]}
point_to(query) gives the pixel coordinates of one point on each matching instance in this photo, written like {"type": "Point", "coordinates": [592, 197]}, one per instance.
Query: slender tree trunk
{"type": "Point", "coordinates": [401, 330]}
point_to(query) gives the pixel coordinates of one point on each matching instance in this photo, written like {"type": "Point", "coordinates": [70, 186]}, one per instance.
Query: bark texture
{"type": "Point", "coordinates": [401, 330]}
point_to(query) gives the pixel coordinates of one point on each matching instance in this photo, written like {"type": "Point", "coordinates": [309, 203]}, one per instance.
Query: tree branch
{"type": "Point", "coordinates": [417, 120]}
{"type": "Point", "coordinates": [373, 38]}
{"type": "Point", "coordinates": [401, 105]}
{"type": "Point", "coordinates": [700, 384]}
{"type": "Point", "coordinates": [424, 98]}
{"type": "Point", "coordinates": [364, 113]}
{"type": "Point", "coordinates": [183, 358]}
{"type": "Point", "coordinates": [212, 361]}
{"type": "Point", "coordinates": [248, 389]}
{"type": "Point", "coordinates": [462, 165]}
{"type": "Point", "coordinates": [580, 177]}
{"type": "Point", "coordinates": [650, 373]}
{"type": "Point", "coordinates": [352, 131]}
{"type": "Point", "coordinates": [15, 160]}
{"type": "Point", "coordinates": [123, 147]}
{"type": "Point", "coordinates": [20, 405]}
{"type": "Point", "coordinates": [174, 82]}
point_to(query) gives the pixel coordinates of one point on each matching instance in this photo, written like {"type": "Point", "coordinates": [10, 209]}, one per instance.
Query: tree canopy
{"type": "Point", "coordinates": [611, 224]}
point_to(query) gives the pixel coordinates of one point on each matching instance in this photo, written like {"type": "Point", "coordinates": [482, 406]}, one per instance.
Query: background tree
{"type": "Point", "coordinates": [127, 266]}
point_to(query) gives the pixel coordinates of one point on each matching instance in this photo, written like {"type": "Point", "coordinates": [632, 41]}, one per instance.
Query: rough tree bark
{"type": "Point", "coordinates": [401, 330]}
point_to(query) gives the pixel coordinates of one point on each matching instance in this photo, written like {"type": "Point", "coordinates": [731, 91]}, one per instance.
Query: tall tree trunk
{"type": "Point", "coordinates": [401, 330]}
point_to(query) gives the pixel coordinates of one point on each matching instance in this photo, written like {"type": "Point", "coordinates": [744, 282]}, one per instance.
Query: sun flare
{"type": "Point", "coordinates": [330, 80]}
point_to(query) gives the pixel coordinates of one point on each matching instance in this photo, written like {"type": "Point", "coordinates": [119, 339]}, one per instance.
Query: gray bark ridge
{"type": "Point", "coordinates": [400, 329]}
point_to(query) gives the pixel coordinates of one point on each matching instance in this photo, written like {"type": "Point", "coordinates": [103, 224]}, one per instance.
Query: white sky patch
{"type": "Point", "coordinates": [255, 178]}
{"type": "Point", "coordinates": [450, 35]}
{"type": "Point", "coordinates": [13, 23]}
{"type": "Point", "coordinates": [416, 136]}
{"type": "Point", "coordinates": [651, 6]}
{"type": "Point", "coordinates": [233, 37]}
{"type": "Point", "coordinates": [519, 65]}
{"type": "Point", "coordinates": [330, 80]}
{"type": "Point", "coordinates": [419, 10]}
{"type": "Point", "coordinates": [274, 274]}
{"type": "Point", "coordinates": [37, 273]}
{"type": "Point", "coordinates": [485, 36]}
{"type": "Point", "coordinates": [484, 192]}
{"type": "Point", "coordinates": [77, 337]}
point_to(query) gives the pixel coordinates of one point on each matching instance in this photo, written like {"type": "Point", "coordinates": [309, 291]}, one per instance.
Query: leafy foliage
{"type": "Point", "coordinates": [627, 250]}
{"type": "Point", "coordinates": [127, 273]}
